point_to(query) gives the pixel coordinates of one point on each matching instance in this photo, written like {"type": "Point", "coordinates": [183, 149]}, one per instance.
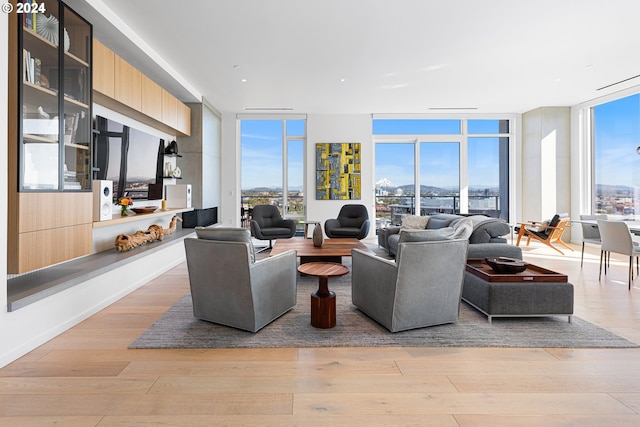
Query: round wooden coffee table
{"type": "Point", "coordinates": [323, 301]}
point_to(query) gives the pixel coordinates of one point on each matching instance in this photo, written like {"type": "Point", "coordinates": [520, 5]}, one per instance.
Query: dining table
{"type": "Point", "coordinates": [633, 224]}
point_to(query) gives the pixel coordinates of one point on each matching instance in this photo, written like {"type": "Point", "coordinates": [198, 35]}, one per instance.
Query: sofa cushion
{"type": "Point", "coordinates": [461, 230]}
{"type": "Point", "coordinates": [487, 230]}
{"type": "Point", "coordinates": [227, 234]}
{"type": "Point", "coordinates": [441, 220]}
{"type": "Point", "coordinates": [414, 222]}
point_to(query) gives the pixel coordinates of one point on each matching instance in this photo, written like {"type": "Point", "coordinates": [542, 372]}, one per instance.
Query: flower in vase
{"type": "Point", "coordinates": [125, 203]}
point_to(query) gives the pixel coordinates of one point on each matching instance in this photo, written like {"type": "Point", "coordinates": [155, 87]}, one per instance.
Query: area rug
{"type": "Point", "coordinates": [177, 328]}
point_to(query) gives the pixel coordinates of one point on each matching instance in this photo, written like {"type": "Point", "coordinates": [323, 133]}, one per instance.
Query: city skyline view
{"type": "Point", "coordinates": [616, 138]}
{"type": "Point", "coordinates": [616, 156]}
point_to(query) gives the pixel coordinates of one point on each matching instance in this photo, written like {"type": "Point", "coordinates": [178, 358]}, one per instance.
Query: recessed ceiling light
{"type": "Point", "coordinates": [343, 80]}
{"type": "Point", "coordinates": [243, 80]}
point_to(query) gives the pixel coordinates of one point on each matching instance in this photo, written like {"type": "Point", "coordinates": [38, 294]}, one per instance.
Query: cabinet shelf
{"type": "Point", "coordinates": [38, 139]}
{"type": "Point", "coordinates": [78, 146]}
{"type": "Point", "coordinates": [55, 102]}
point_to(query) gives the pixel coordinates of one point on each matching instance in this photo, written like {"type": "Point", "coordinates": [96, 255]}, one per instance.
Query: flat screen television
{"type": "Point", "coordinates": [132, 159]}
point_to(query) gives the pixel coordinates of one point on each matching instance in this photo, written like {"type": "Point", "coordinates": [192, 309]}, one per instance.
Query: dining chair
{"type": "Point", "coordinates": [616, 237]}
{"type": "Point", "coordinates": [590, 232]}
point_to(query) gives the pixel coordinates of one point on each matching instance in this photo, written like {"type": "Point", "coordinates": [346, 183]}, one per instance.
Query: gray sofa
{"type": "Point", "coordinates": [486, 240]}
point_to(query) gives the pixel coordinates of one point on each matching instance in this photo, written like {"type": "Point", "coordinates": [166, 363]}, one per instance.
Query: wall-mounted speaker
{"type": "Point", "coordinates": [102, 199]}
{"type": "Point", "coordinates": [178, 196]}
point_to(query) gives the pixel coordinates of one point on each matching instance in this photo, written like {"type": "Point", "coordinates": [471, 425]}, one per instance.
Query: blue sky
{"type": "Point", "coordinates": [617, 135]}
{"type": "Point", "coordinates": [262, 153]}
{"type": "Point", "coordinates": [617, 132]}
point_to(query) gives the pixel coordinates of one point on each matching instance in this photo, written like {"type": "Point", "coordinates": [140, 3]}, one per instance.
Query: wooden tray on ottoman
{"type": "Point", "coordinates": [478, 267]}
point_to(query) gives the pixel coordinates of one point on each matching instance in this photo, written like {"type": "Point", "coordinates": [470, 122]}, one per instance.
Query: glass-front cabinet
{"type": "Point", "coordinates": [54, 98]}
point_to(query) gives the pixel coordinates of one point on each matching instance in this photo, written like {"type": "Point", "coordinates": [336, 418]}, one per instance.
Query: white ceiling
{"type": "Point", "coordinates": [377, 56]}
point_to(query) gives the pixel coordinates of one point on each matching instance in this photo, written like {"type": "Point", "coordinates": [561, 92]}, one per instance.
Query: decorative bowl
{"type": "Point", "coordinates": [506, 265]}
{"type": "Point", "coordinates": [144, 210]}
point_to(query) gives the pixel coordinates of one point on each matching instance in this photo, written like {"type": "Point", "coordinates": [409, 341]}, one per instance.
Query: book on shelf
{"type": "Point", "coordinates": [28, 20]}
{"type": "Point", "coordinates": [31, 68]}
{"type": "Point", "coordinates": [36, 70]}
{"type": "Point", "coordinates": [71, 127]}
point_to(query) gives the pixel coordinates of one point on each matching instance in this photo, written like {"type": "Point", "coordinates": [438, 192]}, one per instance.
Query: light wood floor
{"type": "Point", "coordinates": [88, 377]}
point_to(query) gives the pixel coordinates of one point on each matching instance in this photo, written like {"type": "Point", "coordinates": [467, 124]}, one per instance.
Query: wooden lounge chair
{"type": "Point", "coordinates": [546, 233]}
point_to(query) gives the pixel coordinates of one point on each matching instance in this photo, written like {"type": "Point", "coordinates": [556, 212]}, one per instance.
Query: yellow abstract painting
{"type": "Point", "coordinates": [338, 171]}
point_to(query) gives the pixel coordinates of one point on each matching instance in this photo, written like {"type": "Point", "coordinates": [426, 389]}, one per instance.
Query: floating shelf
{"type": "Point", "coordinates": [139, 217]}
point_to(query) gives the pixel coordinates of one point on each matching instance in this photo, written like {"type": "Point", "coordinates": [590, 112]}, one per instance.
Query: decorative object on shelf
{"type": "Point", "coordinates": [125, 242]}
{"type": "Point", "coordinates": [47, 26]}
{"type": "Point", "coordinates": [125, 203]}
{"type": "Point", "coordinates": [177, 172]}
{"type": "Point", "coordinates": [168, 169]}
{"type": "Point", "coordinates": [172, 148]}
{"type": "Point", "coordinates": [164, 205]}
{"type": "Point", "coordinates": [145, 209]}
{"type": "Point", "coordinates": [41, 113]}
{"type": "Point", "coordinates": [506, 265]}
{"type": "Point", "coordinates": [318, 236]}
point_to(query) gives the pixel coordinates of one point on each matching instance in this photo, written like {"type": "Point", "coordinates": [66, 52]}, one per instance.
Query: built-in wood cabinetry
{"type": "Point", "coordinates": [151, 98]}
{"type": "Point", "coordinates": [169, 109]}
{"type": "Point", "coordinates": [49, 228]}
{"type": "Point", "coordinates": [127, 84]}
{"type": "Point", "coordinates": [103, 76]}
{"type": "Point", "coordinates": [49, 156]}
{"type": "Point", "coordinates": [184, 118]}
{"type": "Point", "coordinates": [136, 95]}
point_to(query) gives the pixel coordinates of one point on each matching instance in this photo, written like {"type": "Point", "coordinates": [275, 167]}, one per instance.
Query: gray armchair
{"type": "Point", "coordinates": [352, 221]}
{"type": "Point", "coordinates": [422, 288]}
{"type": "Point", "coordinates": [230, 288]}
{"type": "Point", "coordinates": [268, 224]}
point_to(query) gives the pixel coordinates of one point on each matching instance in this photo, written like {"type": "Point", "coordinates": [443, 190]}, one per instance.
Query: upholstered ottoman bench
{"type": "Point", "coordinates": [535, 292]}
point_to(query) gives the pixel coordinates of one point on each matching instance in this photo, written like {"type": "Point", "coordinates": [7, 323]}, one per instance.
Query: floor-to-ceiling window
{"type": "Point", "coordinates": [459, 166]}
{"type": "Point", "coordinates": [272, 165]}
{"type": "Point", "coordinates": [487, 166]}
{"type": "Point", "coordinates": [395, 181]}
{"type": "Point", "coordinates": [616, 156]}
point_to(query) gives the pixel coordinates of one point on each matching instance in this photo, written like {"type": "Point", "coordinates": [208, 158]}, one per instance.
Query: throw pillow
{"type": "Point", "coordinates": [462, 229]}
{"type": "Point", "coordinates": [227, 234]}
{"type": "Point", "coordinates": [414, 222]}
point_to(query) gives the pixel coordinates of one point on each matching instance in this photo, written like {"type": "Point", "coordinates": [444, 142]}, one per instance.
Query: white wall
{"type": "Point", "coordinates": [320, 128]}
{"type": "Point", "coordinates": [546, 163]}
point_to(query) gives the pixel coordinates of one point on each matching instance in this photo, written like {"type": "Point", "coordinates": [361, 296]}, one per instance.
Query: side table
{"type": "Point", "coordinates": [323, 301]}
{"type": "Point", "coordinates": [306, 227]}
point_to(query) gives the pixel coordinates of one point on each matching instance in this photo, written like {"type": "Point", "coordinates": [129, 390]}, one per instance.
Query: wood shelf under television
{"type": "Point", "coordinates": [140, 217]}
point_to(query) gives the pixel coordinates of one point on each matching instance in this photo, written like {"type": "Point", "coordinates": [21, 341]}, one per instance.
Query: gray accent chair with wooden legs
{"type": "Point", "coordinates": [230, 288]}
{"type": "Point", "coordinates": [423, 287]}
